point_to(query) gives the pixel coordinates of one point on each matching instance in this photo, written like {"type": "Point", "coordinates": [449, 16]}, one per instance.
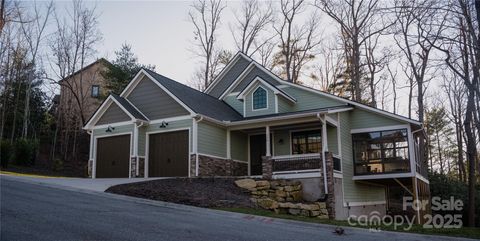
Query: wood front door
{"type": "Point", "coordinates": [258, 148]}
{"type": "Point", "coordinates": [113, 156]}
{"type": "Point", "coordinates": [168, 154]}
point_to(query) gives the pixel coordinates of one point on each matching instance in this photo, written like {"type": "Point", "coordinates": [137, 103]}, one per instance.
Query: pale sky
{"type": "Point", "coordinates": [161, 34]}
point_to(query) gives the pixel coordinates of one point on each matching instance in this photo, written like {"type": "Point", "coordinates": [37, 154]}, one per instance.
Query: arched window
{"type": "Point", "coordinates": [259, 98]}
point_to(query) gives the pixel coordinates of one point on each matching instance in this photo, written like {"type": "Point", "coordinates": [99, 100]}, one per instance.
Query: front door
{"type": "Point", "coordinates": [258, 148]}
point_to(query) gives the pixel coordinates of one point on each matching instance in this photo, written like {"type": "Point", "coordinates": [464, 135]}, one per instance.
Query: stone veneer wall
{"type": "Point", "coordinates": [133, 166]}
{"type": "Point", "coordinates": [282, 196]}
{"type": "Point", "coordinates": [141, 167]}
{"type": "Point", "coordinates": [212, 166]}
{"type": "Point", "coordinates": [330, 185]}
{"type": "Point", "coordinates": [90, 167]}
{"type": "Point", "coordinates": [267, 169]}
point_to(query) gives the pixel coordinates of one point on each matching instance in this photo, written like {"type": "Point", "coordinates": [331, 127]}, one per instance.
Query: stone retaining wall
{"type": "Point", "coordinates": [282, 196]}
{"type": "Point", "coordinates": [213, 166]}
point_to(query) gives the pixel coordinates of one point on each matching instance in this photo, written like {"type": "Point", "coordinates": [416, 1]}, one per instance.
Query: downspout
{"type": "Point", "coordinates": [196, 141]}
{"type": "Point", "coordinates": [138, 124]}
{"type": "Point", "coordinates": [323, 120]}
{"type": "Point", "coordinates": [91, 153]}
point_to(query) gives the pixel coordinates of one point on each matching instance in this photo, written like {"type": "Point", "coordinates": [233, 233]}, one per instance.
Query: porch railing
{"type": "Point", "coordinates": [297, 163]}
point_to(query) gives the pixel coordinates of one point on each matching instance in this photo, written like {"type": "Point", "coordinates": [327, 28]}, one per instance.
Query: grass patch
{"type": "Point", "coordinates": [465, 232]}
{"type": "Point", "coordinates": [14, 170]}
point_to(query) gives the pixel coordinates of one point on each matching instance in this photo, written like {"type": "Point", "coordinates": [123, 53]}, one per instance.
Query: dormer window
{"type": "Point", "coordinates": [259, 99]}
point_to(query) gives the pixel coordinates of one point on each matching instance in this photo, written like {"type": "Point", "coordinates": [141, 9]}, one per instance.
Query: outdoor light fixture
{"type": "Point", "coordinates": [110, 129]}
{"type": "Point", "coordinates": [164, 124]}
{"type": "Point", "coordinates": [280, 141]}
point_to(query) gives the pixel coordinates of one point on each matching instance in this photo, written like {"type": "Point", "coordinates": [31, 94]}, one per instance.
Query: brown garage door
{"type": "Point", "coordinates": [168, 154]}
{"type": "Point", "coordinates": [113, 155]}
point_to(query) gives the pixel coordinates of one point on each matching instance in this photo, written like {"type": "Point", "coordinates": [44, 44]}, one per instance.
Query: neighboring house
{"type": "Point", "coordinates": [249, 122]}
{"type": "Point", "coordinates": [82, 93]}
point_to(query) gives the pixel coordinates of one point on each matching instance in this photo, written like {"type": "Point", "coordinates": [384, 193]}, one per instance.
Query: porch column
{"type": "Point", "coordinates": [323, 120]}
{"type": "Point", "coordinates": [229, 150]}
{"type": "Point", "coordinates": [267, 162]}
{"type": "Point", "coordinates": [324, 135]}
{"type": "Point", "coordinates": [267, 138]}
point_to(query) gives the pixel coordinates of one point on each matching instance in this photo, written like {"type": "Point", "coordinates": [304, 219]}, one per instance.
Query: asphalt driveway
{"type": "Point", "coordinates": [38, 211]}
{"type": "Point", "coordinates": [98, 184]}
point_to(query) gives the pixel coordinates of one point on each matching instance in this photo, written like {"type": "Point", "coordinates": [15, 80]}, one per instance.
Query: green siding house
{"type": "Point", "coordinates": [250, 122]}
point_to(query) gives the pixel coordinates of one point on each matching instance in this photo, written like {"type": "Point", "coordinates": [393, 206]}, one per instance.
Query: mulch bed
{"type": "Point", "coordinates": [200, 192]}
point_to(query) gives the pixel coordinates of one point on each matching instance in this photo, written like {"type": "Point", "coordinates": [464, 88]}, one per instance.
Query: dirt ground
{"type": "Point", "coordinates": [201, 192]}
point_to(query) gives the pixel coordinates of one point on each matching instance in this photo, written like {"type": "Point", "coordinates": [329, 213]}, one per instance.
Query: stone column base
{"type": "Point", "coordinates": [90, 168]}
{"type": "Point", "coordinates": [267, 167]}
{"type": "Point", "coordinates": [133, 166]}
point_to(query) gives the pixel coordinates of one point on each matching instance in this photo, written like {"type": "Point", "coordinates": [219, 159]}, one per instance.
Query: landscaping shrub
{"type": "Point", "coordinates": [25, 152]}
{"type": "Point", "coordinates": [5, 153]}
{"type": "Point", "coordinates": [445, 187]}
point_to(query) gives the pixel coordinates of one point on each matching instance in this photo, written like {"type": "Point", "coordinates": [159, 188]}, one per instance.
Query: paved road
{"type": "Point", "coordinates": [39, 212]}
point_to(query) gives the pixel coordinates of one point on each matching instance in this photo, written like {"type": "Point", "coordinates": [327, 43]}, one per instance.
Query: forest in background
{"type": "Point", "coordinates": [373, 51]}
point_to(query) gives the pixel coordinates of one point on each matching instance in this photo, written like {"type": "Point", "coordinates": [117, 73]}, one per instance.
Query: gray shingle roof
{"type": "Point", "coordinates": [199, 102]}
{"type": "Point", "coordinates": [129, 107]}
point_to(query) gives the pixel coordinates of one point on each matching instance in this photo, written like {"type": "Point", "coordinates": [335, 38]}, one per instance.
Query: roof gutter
{"type": "Point", "coordinates": [310, 114]}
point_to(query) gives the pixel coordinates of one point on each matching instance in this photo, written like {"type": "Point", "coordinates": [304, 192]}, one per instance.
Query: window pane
{"type": "Point", "coordinates": [306, 142]}
{"type": "Point", "coordinates": [95, 91]}
{"type": "Point", "coordinates": [381, 152]}
{"type": "Point", "coordinates": [259, 99]}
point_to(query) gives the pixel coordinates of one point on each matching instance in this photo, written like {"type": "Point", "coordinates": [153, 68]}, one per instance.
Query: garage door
{"type": "Point", "coordinates": [113, 156]}
{"type": "Point", "coordinates": [168, 154]}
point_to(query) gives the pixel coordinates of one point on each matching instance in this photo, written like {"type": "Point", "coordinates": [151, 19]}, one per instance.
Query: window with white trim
{"type": "Point", "coordinates": [259, 99]}
{"type": "Point", "coordinates": [381, 152]}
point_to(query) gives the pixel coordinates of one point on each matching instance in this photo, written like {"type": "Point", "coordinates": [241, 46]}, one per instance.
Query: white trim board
{"type": "Point", "coordinates": [382, 176]}
{"type": "Point", "coordinates": [367, 203]}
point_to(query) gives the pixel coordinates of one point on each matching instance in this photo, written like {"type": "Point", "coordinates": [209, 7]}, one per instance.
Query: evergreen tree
{"type": "Point", "coordinates": [440, 146]}
{"type": "Point", "coordinates": [123, 69]}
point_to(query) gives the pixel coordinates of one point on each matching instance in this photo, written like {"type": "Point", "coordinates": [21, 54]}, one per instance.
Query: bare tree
{"type": "Point", "coordinates": [358, 22]}
{"type": "Point", "coordinates": [250, 23]}
{"type": "Point", "coordinates": [73, 45]}
{"type": "Point", "coordinates": [461, 47]}
{"type": "Point", "coordinates": [455, 91]}
{"type": "Point", "coordinates": [205, 16]}
{"type": "Point", "coordinates": [297, 42]}
{"type": "Point", "coordinates": [265, 53]}
{"type": "Point", "coordinates": [33, 31]}
{"type": "Point", "coordinates": [418, 28]}
{"type": "Point", "coordinates": [393, 79]}
{"type": "Point", "coordinates": [329, 69]}
{"type": "Point", "coordinates": [2, 15]}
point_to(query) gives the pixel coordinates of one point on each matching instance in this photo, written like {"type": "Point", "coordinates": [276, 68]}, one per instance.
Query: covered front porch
{"type": "Point", "coordinates": [288, 148]}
